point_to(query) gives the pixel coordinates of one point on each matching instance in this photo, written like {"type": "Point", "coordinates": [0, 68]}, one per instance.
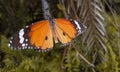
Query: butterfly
{"type": "Point", "coordinates": [41, 35]}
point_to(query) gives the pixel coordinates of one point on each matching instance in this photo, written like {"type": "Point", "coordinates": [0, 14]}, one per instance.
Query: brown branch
{"type": "Point", "coordinates": [82, 57]}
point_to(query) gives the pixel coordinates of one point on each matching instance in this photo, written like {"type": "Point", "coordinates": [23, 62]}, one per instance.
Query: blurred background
{"type": "Point", "coordinates": [99, 44]}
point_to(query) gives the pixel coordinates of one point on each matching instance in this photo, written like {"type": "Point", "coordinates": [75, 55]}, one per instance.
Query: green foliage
{"type": "Point", "coordinates": [110, 64]}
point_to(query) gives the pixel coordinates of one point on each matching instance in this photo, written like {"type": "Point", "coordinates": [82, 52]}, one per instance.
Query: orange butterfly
{"type": "Point", "coordinates": [41, 35]}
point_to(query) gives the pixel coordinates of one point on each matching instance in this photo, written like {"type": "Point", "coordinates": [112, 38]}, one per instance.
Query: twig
{"type": "Point", "coordinates": [82, 57]}
{"type": "Point", "coordinates": [65, 50]}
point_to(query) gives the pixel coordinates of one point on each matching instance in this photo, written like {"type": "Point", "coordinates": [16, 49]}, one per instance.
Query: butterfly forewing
{"type": "Point", "coordinates": [37, 33]}
{"type": "Point", "coordinates": [48, 41]}
{"type": "Point", "coordinates": [63, 38]}
{"type": "Point", "coordinates": [33, 36]}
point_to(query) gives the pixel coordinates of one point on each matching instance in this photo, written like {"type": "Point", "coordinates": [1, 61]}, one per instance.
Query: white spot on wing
{"type": "Point", "coordinates": [9, 45]}
{"type": "Point", "coordinates": [26, 44]}
{"type": "Point", "coordinates": [29, 47]}
{"type": "Point", "coordinates": [19, 48]}
{"type": "Point", "coordinates": [27, 26]}
{"type": "Point", "coordinates": [23, 44]}
{"type": "Point", "coordinates": [23, 47]}
{"type": "Point", "coordinates": [10, 41]}
{"type": "Point", "coordinates": [78, 26]}
{"type": "Point", "coordinates": [21, 33]}
{"type": "Point", "coordinates": [11, 38]}
{"type": "Point", "coordinates": [26, 40]}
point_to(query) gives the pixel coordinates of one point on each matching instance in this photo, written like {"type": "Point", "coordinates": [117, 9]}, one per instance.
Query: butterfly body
{"type": "Point", "coordinates": [41, 35]}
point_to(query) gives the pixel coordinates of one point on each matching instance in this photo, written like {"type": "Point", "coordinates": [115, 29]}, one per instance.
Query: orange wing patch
{"type": "Point", "coordinates": [66, 26]}
{"type": "Point", "coordinates": [65, 30]}
{"type": "Point", "coordinates": [61, 35]}
{"type": "Point", "coordinates": [48, 41]}
{"type": "Point", "coordinates": [38, 25]}
{"type": "Point", "coordinates": [40, 35]}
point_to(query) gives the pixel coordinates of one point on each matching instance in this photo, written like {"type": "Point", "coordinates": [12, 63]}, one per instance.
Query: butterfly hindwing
{"type": "Point", "coordinates": [48, 41]}
{"type": "Point", "coordinates": [66, 26]}
{"type": "Point", "coordinates": [63, 38]}
{"type": "Point", "coordinates": [37, 33]}
{"type": "Point", "coordinates": [65, 30]}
